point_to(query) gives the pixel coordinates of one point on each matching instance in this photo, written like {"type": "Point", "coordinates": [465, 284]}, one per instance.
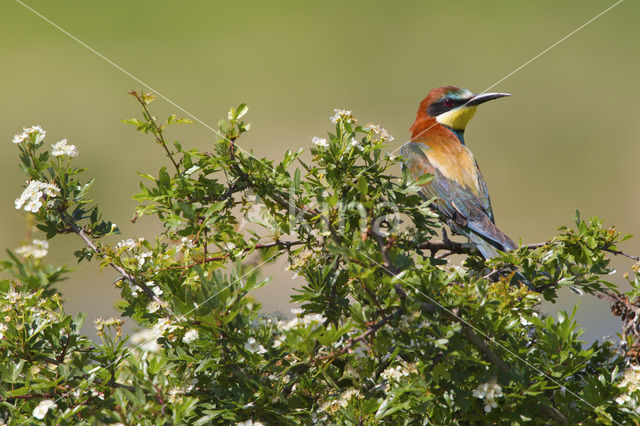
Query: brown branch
{"type": "Point", "coordinates": [385, 254]}
{"type": "Point", "coordinates": [483, 348]}
{"type": "Point", "coordinates": [621, 253]}
{"type": "Point", "coordinates": [285, 244]}
{"type": "Point", "coordinates": [127, 276]}
{"type": "Point", "coordinates": [455, 247]}
{"type": "Point", "coordinates": [29, 396]}
{"type": "Point", "coordinates": [350, 343]}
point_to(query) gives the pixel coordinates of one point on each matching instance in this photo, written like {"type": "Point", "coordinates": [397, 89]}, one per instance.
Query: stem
{"type": "Point", "coordinates": [157, 132]}
{"type": "Point", "coordinates": [127, 276]}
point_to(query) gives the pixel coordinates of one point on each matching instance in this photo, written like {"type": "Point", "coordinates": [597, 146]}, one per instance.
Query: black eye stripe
{"type": "Point", "coordinates": [439, 107]}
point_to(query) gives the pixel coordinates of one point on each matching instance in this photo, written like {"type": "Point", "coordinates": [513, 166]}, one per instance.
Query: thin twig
{"type": "Point", "coordinates": [284, 244]}
{"type": "Point", "coordinates": [127, 276]}
{"type": "Point", "coordinates": [157, 132]}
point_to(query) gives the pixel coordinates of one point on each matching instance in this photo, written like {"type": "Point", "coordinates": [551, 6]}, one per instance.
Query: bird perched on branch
{"type": "Point", "coordinates": [437, 147]}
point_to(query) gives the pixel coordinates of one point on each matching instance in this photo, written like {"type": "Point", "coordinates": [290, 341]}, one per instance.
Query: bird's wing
{"type": "Point", "coordinates": [485, 192]}
{"type": "Point", "coordinates": [468, 208]}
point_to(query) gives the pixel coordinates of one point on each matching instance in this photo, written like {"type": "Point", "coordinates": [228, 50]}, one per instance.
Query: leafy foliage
{"type": "Point", "coordinates": [389, 330]}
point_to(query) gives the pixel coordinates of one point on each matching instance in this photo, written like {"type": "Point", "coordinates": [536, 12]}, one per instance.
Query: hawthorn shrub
{"type": "Point", "coordinates": [389, 329]}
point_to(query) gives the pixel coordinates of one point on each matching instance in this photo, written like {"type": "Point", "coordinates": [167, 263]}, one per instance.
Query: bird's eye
{"type": "Point", "coordinates": [448, 102]}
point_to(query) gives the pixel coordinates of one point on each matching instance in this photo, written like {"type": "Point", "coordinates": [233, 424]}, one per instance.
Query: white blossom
{"type": "Point", "coordinates": [380, 132]}
{"type": "Point", "coordinates": [37, 249]}
{"type": "Point", "coordinates": [253, 346]}
{"type": "Point", "coordinates": [153, 306]}
{"type": "Point", "coordinates": [305, 321]}
{"type": "Point", "coordinates": [250, 423]}
{"type": "Point", "coordinates": [489, 392]}
{"type": "Point", "coordinates": [185, 243]}
{"type": "Point", "coordinates": [3, 328]}
{"type": "Point", "coordinates": [163, 325]}
{"type": "Point", "coordinates": [156, 290]}
{"type": "Point", "coordinates": [623, 399]}
{"type": "Point", "coordinates": [341, 402]}
{"type": "Point", "coordinates": [28, 131]}
{"type": "Point", "coordinates": [129, 244]}
{"type": "Point", "coordinates": [146, 340]}
{"type": "Point", "coordinates": [320, 142]}
{"type": "Point", "coordinates": [176, 392]}
{"type": "Point", "coordinates": [354, 143]}
{"type": "Point", "coordinates": [394, 374]}
{"type": "Point", "coordinates": [20, 137]}
{"type": "Point", "coordinates": [42, 408]}
{"type": "Point", "coordinates": [279, 341]}
{"type": "Point", "coordinates": [630, 382]}
{"type": "Point", "coordinates": [190, 336]}
{"type": "Point", "coordinates": [32, 194]}
{"type": "Point", "coordinates": [142, 258]}
{"type": "Point", "coordinates": [341, 114]}
{"type": "Point", "coordinates": [61, 148]}
{"type": "Point", "coordinates": [525, 321]}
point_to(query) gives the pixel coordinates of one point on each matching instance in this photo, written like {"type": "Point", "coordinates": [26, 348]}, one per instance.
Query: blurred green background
{"type": "Point", "coordinates": [566, 140]}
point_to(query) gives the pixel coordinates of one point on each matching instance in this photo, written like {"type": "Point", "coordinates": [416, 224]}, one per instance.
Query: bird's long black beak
{"type": "Point", "coordinates": [484, 97]}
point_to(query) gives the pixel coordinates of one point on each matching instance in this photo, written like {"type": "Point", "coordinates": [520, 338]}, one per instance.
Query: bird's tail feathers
{"type": "Point", "coordinates": [489, 249]}
{"type": "Point", "coordinates": [484, 229]}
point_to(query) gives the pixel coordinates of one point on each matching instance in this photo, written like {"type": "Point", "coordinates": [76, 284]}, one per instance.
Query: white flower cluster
{"type": "Point", "coordinates": [176, 392]}
{"type": "Point", "coordinates": [61, 148]}
{"type": "Point", "coordinates": [631, 382]}
{"type": "Point", "coordinates": [37, 249]}
{"type": "Point", "coordinates": [321, 142]}
{"type": "Point", "coordinates": [190, 336]}
{"type": "Point", "coordinates": [395, 374]}
{"type": "Point", "coordinates": [31, 196]}
{"type": "Point", "coordinates": [155, 305]}
{"type": "Point", "coordinates": [185, 244]}
{"type": "Point", "coordinates": [254, 347]}
{"type": "Point", "coordinates": [341, 402]}
{"type": "Point", "coordinates": [314, 320]}
{"type": "Point", "coordinates": [145, 340]}
{"type": "Point", "coordinates": [128, 244]}
{"type": "Point", "coordinates": [355, 144]}
{"type": "Point", "coordinates": [152, 286]}
{"type": "Point", "coordinates": [279, 340]}
{"type": "Point", "coordinates": [489, 392]}
{"type": "Point", "coordinates": [142, 258]}
{"type": "Point", "coordinates": [34, 314]}
{"type": "Point", "coordinates": [341, 114]}
{"type": "Point", "coordinates": [38, 131]}
{"type": "Point", "coordinates": [380, 133]}
{"type": "Point", "coordinates": [163, 325]}
{"type": "Point", "coordinates": [111, 322]}
{"type": "Point", "coordinates": [3, 328]}
{"type": "Point", "coordinates": [250, 423]}
{"type": "Point", "coordinates": [43, 408]}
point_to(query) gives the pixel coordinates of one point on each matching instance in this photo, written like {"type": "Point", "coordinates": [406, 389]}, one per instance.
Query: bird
{"type": "Point", "coordinates": [437, 147]}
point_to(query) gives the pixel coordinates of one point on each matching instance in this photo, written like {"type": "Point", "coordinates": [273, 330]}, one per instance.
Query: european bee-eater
{"type": "Point", "coordinates": [437, 147]}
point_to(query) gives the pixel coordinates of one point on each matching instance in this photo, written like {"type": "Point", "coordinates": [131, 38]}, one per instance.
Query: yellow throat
{"type": "Point", "coordinates": [457, 118]}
